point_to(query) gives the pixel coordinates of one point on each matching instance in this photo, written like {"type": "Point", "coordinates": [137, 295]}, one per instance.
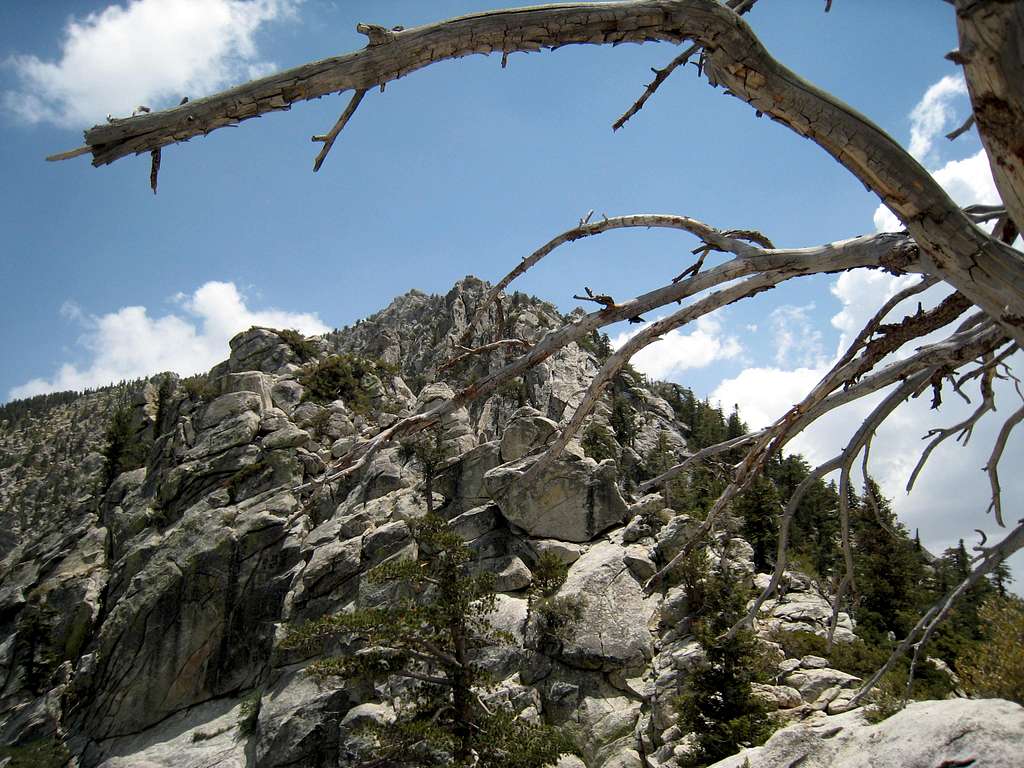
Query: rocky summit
{"type": "Point", "coordinates": [159, 537]}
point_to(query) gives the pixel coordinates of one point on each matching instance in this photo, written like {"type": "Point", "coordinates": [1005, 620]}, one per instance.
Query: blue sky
{"type": "Point", "coordinates": [461, 168]}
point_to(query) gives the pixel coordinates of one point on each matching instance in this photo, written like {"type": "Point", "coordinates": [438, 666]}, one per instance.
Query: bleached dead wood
{"type": "Point", "coordinates": [985, 270]}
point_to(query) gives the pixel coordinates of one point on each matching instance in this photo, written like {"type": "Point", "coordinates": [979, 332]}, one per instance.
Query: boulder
{"type": "Point", "coordinates": [510, 573]}
{"type": "Point", "coordinates": [813, 682]}
{"type": "Point", "coordinates": [613, 631]}
{"type": "Point", "coordinates": [565, 551]}
{"type": "Point", "coordinates": [260, 349]}
{"type": "Point", "coordinates": [571, 500]}
{"type": "Point", "coordinates": [527, 432]}
{"type": "Point", "coordinates": [926, 734]}
{"type": "Point", "coordinates": [228, 406]}
{"type": "Point", "coordinates": [248, 381]}
{"type": "Point", "coordinates": [289, 436]}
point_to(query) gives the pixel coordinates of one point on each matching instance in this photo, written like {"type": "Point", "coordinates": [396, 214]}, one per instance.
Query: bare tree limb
{"type": "Point", "coordinates": [467, 353]}
{"type": "Point", "coordinates": [661, 75]}
{"type": "Point", "coordinates": [984, 269]}
{"type": "Point", "coordinates": [330, 136]}
{"type": "Point", "coordinates": [992, 466]}
{"type": "Point", "coordinates": [895, 251]}
{"type": "Point", "coordinates": [956, 133]}
{"type": "Point", "coordinates": [586, 229]}
{"type": "Point", "coordinates": [964, 428]}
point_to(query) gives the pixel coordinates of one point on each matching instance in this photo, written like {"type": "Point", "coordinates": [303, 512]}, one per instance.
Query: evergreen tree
{"type": "Point", "coordinates": [623, 421]}
{"type": "Point", "coordinates": [432, 640]}
{"type": "Point", "coordinates": [426, 449]}
{"type": "Point", "coordinates": [122, 450]}
{"type": "Point", "coordinates": [758, 508]}
{"type": "Point", "coordinates": [718, 706]}
{"type": "Point", "coordinates": [962, 631]}
{"type": "Point", "coordinates": [888, 571]}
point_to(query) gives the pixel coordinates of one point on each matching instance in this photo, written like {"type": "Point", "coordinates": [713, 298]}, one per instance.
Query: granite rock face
{"type": "Point", "coordinates": [954, 732]}
{"type": "Point", "coordinates": [572, 500]}
{"type": "Point", "coordinates": [141, 615]}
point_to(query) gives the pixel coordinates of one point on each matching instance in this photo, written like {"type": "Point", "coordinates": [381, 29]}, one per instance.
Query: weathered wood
{"type": "Point", "coordinates": [988, 272]}
{"type": "Point", "coordinates": [991, 39]}
{"type": "Point", "coordinates": [895, 252]}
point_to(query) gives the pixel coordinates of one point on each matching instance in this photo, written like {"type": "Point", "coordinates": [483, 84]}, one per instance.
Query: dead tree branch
{"type": "Point", "coordinates": [987, 271]}
{"type": "Point", "coordinates": [330, 136]}
{"type": "Point", "coordinates": [467, 353]}
{"type": "Point", "coordinates": [706, 233]}
{"type": "Point", "coordinates": [661, 75]}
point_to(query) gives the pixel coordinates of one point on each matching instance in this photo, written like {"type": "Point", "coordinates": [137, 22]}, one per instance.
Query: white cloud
{"type": "Point", "coordinates": [968, 182]}
{"type": "Point", "coordinates": [933, 112]}
{"type": "Point", "coordinates": [863, 291]}
{"type": "Point", "coordinates": [797, 341]}
{"type": "Point", "coordinates": [678, 351]}
{"type": "Point", "coordinates": [951, 495]}
{"type": "Point", "coordinates": [149, 52]}
{"type": "Point", "coordinates": [129, 343]}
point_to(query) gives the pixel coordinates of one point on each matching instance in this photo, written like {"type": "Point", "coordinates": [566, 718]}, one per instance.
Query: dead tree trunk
{"type": "Point", "coordinates": [992, 53]}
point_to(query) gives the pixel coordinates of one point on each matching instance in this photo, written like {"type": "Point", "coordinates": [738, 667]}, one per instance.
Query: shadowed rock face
{"type": "Point", "coordinates": [141, 622]}
{"type": "Point", "coordinates": [572, 500]}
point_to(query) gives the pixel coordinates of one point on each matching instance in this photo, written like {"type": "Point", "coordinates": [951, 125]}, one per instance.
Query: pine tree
{"type": "Point", "coordinates": [889, 573]}
{"type": "Point", "coordinates": [758, 508]}
{"type": "Point", "coordinates": [122, 450]}
{"type": "Point", "coordinates": [431, 640]}
{"type": "Point", "coordinates": [718, 706]}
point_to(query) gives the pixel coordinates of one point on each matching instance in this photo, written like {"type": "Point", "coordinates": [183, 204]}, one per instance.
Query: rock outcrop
{"type": "Point", "coordinates": [141, 615]}
{"type": "Point", "coordinates": [925, 734]}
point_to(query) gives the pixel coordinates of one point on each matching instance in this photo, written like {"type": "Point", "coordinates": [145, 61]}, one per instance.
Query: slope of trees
{"type": "Point", "coordinates": [981, 319]}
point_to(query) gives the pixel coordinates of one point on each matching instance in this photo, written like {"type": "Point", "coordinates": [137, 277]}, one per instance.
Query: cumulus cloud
{"type": "Point", "coordinates": [797, 341]}
{"type": "Point", "coordinates": [149, 52]}
{"type": "Point", "coordinates": [968, 181]}
{"type": "Point", "coordinates": [130, 343]}
{"type": "Point", "coordinates": [678, 351]}
{"type": "Point", "coordinates": [933, 113]}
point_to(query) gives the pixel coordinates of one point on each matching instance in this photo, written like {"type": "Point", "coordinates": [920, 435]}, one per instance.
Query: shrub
{"type": "Point", "coordinates": [303, 348]}
{"type": "Point", "coordinates": [995, 669]}
{"type": "Point", "coordinates": [198, 387]}
{"type": "Point", "coordinates": [341, 377]}
{"type": "Point", "coordinates": [42, 753]}
{"type": "Point", "coordinates": [249, 713]}
{"type": "Point", "coordinates": [598, 443]}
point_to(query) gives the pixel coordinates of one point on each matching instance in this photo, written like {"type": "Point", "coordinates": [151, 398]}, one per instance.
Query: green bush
{"type": "Point", "coordinates": [340, 377]}
{"type": "Point", "coordinates": [598, 443]}
{"type": "Point", "coordinates": [996, 667]}
{"type": "Point", "coordinates": [303, 348]}
{"type": "Point", "coordinates": [198, 387]}
{"type": "Point", "coordinates": [249, 713]}
{"type": "Point", "coordinates": [42, 753]}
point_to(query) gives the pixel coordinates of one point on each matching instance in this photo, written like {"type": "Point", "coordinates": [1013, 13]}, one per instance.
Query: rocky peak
{"type": "Point", "coordinates": [142, 611]}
